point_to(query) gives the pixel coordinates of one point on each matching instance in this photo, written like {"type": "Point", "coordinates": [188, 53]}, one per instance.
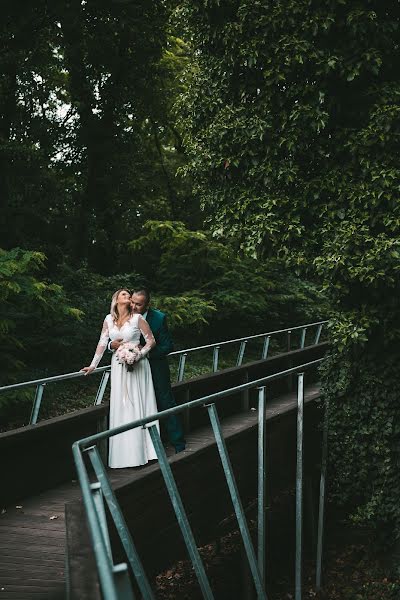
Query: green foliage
{"type": "Point", "coordinates": [364, 434]}
{"type": "Point", "coordinates": [294, 152]}
{"type": "Point", "coordinates": [294, 149]}
{"type": "Point", "coordinates": [92, 292]}
{"type": "Point", "coordinates": [238, 295]}
{"type": "Point", "coordinates": [187, 312]}
{"type": "Point", "coordinates": [88, 142]}
{"type": "Point", "coordinates": [294, 144]}
{"type": "Point", "coordinates": [23, 299]}
{"type": "Point", "coordinates": [168, 234]}
{"type": "Point", "coordinates": [30, 309]}
{"type": "Point", "coordinates": [91, 138]}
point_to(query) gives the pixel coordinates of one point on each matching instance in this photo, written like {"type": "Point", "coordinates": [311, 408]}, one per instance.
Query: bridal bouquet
{"type": "Point", "coordinates": [128, 354]}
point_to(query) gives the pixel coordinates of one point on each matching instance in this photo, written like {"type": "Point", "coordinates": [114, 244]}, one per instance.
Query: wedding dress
{"type": "Point", "coordinates": [132, 394]}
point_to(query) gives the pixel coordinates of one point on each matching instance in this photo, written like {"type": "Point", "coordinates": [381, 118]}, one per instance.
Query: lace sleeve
{"type": "Point", "coordinates": [147, 334]}
{"type": "Point", "coordinates": [102, 345]}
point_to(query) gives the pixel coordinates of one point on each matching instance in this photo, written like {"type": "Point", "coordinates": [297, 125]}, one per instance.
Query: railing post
{"type": "Point", "coordinates": [97, 495]}
{"type": "Point", "coordinates": [261, 480]}
{"type": "Point", "coordinates": [120, 524]}
{"type": "Point", "coordinates": [186, 414]}
{"type": "Point", "coordinates": [181, 367]}
{"type": "Point", "coordinates": [241, 353]}
{"type": "Point", "coordinates": [321, 511]}
{"type": "Point", "coordinates": [215, 359]}
{"type": "Point", "coordinates": [237, 504]}
{"type": "Point", "coordinates": [245, 401]}
{"type": "Point", "coordinates": [289, 347]}
{"type": "Point", "coordinates": [318, 334]}
{"type": "Point", "coordinates": [299, 485]}
{"type": "Point", "coordinates": [180, 513]}
{"type": "Point", "coordinates": [303, 337]}
{"type": "Point", "coordinates": [102, 425]}
{"type": "Point", "coordinates": [288, 343]}
{"type": "Point", "coordinates": [122, 582]}
{"type": "Point", "coordinates": [102, 388]}
{"type": "Point", "coordinates": [36, 404]}
{"type": "Point", "coordinates": [265, 347]}
{"type": "Point", "coordinates": [247, 587]}
{"type": "Point", "coordinates": [104, 567]}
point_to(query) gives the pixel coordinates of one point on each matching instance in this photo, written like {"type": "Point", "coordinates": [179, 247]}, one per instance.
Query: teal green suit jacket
{"type": "Point", "coordinates": [161, 376]}
{"type": "Point", "coordinates": [158, 357]}
{"type": "Point", "coordinates": [157, 321]}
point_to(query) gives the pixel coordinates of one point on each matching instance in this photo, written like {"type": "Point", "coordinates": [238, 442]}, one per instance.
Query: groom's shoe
{"type": "Point", "coordinates": [179, 448]}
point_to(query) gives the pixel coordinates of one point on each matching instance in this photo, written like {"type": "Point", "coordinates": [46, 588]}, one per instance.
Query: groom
{"type": "Point", "coordinates": [140, 302]}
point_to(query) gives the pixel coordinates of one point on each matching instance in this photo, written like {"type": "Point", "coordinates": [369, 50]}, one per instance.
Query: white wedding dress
{"type": "Point", "coordinates": [132, 394]}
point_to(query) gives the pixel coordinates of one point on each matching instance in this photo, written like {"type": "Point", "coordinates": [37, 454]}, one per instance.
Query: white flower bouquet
{"type": "Point", "coordinates": [128, 354]}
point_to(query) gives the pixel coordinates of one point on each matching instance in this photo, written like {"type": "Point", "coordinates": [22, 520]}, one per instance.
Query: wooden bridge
{"type": "Point", "coordinates": [45, 548]}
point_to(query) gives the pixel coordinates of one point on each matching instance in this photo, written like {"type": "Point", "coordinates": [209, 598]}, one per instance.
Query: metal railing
{"type": "Point", "coordinates": [41, 383]}
{"type": "Point", "coordinates": [266, 337]}
{"type": "Point", "coordinates": [114, 579]}
{"type": "Point", "coordinates": [182, 354]}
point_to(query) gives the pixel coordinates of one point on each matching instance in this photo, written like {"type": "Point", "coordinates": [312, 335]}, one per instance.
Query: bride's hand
{"type": "Point", "coordinates": [88, 370]}
{"type": "Point", "coordinates": [138, 354]}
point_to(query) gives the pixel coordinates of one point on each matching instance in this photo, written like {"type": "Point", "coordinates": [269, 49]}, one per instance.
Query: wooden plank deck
{"type": "Point", "coordinates": [32, 532]}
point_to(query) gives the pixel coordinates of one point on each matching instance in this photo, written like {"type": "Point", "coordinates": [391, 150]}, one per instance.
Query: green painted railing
{"type": "Point", "coordinates": [114, 579]}
{"type": "Point", "coordinates": [304, 330]}
{"type": "Point", "coordinates": [312, 330]}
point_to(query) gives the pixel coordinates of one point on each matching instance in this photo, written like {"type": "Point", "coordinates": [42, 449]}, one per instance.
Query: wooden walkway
{"type": "Point", "coordinates": [32, 533]}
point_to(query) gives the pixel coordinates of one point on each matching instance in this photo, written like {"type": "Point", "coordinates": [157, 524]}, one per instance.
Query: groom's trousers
{"type": "Point", "coordinates": [165, 399]}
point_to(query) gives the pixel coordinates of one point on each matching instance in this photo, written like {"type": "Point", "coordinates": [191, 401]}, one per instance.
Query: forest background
{"type": "Point", "coordinates": [241, 159]}
{"type": "Point", "coordinates": [94, 198]}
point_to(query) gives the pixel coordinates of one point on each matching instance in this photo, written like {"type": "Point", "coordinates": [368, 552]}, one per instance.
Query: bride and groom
{"type": "Point", "coordinates": [144, 388]}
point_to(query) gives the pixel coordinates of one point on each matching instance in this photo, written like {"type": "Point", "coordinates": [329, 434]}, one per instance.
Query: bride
{"type": "Point", "coordinates": [132, 391]}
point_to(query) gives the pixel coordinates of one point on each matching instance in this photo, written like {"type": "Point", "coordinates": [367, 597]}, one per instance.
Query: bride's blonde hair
{"type": "Point", "coordinates": [114, 306]}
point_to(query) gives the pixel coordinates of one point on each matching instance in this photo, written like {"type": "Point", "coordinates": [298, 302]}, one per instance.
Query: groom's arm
{"type": "Point", "coordinates": [165, 345]}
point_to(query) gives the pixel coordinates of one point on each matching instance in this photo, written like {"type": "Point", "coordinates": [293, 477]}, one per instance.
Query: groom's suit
{"type": "Point", "coordinates": [161, 374]}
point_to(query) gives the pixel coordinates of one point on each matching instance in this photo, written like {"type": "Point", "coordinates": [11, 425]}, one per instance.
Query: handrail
{"type": "Point", "coordinates": [41, 383]}
{"type": "Point", "coordinates": [72, 375]}
{"type": "Point", "coordinates": [93, 493]}
{"type": "Point", "coordinates": [53, 379]}
{"type": "Point", "coordinates": [194, 403]}
{"type": "Point", "coordinates": [249, 337]}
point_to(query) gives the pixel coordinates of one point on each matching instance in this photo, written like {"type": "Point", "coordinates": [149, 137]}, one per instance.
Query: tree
{"type": "Point", "coordinates": [31, 192]}
{"type": "Point", "coordinates": [293, 152]}
{"type": "Point", "coordinates": [30, 309]}
{"type": "Point", "coordinates": [235, 295]}
{"type": "Point", "coordinates": [88, 143]}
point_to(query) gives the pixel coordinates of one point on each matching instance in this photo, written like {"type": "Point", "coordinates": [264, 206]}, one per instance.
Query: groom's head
{"type": "Point", "coordinates": [140, 300]}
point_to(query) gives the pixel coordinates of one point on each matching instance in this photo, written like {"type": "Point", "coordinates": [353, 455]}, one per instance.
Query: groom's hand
{"type": "Point", "coordinates": [115, 344]}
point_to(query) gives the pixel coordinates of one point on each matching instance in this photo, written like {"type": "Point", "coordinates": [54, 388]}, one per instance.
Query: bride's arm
{"type": "Point", "coordinates": [148, 336]}
{"type": "Point", "coordinates": [101, 346]}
